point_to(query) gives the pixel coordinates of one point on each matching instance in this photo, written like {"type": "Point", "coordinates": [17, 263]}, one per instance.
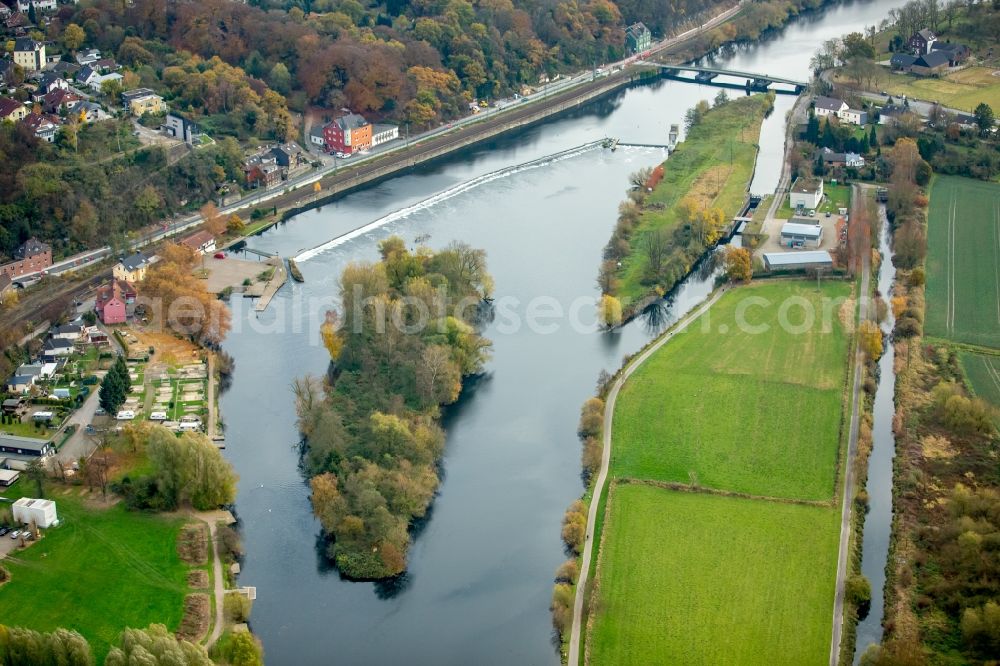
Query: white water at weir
{"type": "Point", "coordinates": [447, 194]}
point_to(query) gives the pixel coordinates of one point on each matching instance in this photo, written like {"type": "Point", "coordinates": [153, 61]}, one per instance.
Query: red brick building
{"type": "Point", "coordinates": [348, 134]}
{"type": "Point", "coordinates": [31, 257]}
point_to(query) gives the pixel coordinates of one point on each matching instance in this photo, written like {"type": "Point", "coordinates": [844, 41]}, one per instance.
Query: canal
{"type": "Point", "coordinates": [480, 568]}
{"type": "Point", "coordinates": [878, 520]}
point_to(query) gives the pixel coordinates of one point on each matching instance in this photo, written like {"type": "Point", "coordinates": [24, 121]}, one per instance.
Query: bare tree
{"type": "Point", "coordinates": [656, 246]}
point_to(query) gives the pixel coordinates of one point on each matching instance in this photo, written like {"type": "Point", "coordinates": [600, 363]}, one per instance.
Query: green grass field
{"type": "Point", "coordinates": [962, 90]}
{"type": "Point", "coordinates": [963, 261]}
{"type": "Point", "coordinates": [691, 578]}
{"type": "Point", "coordinates": [733, 408]}
{"type": "Point", "coordinates": [726, 141]}
{"type": "Point", "coordinates": [983, 371]}
{"type": "Point", "coordinates": [99, 572]}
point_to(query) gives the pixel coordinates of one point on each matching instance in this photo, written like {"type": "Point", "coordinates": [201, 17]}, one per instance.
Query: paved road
{"type": "Point", "coordinates": [609, 412]}
{"type": "Point", "coordinates": [857, 200]}
{"type": "Point", "coordinates": [80, 444]}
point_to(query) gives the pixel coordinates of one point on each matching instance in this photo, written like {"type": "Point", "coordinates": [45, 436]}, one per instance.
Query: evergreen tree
{"type": "Point", "coordinates": [828, 140]}
{"type": "Point", "coordinates": [873, 138]}
{"type": "Point", "coordinates": [865, 145]}
{"type": "Point", "coordinates": [812, 128]}
{"type": "Point", "coordinates": [115, 387]}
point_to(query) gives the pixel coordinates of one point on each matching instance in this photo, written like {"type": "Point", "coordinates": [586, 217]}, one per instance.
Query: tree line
{"type": "Point", "coordinates": [404, 338]}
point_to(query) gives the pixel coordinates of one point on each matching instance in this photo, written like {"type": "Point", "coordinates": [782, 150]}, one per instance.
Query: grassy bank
{"type": "Point", "coordinates": [712, 168]}
{"type": "Point", "coordinates": [963, 251]}
{"type": "Point", "coordinates": [701, 579]}
{"type": "Point", "coordinates": [100, 571]}
{"type": "Point", "coordinates": [750, 400]}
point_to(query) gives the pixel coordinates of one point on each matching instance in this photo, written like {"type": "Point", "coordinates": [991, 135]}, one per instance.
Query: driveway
{"type": "Point", "coordinates": [80, 444]}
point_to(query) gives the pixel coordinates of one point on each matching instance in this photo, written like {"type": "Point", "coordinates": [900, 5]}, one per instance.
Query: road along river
{"type": "Point", "coordinates": [481, 565]}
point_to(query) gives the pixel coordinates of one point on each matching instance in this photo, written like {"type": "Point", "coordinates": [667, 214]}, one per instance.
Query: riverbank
{"type": "Point", "coordinates": [678, 211]}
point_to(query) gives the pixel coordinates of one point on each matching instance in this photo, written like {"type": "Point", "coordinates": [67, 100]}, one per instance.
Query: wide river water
{"type": "Point", "coordinates": [480, 568]}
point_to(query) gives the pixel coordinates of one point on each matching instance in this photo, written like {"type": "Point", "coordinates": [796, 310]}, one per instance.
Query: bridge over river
{"type": "Point", "coordinates": [754, 81]}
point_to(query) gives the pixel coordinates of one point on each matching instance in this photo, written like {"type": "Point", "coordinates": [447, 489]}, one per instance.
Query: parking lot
{"type": "Point", "coordinates": [773, 230]}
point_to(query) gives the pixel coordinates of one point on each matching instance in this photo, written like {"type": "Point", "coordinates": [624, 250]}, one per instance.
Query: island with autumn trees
{"type": "Point", "coordinates": [404, 339]}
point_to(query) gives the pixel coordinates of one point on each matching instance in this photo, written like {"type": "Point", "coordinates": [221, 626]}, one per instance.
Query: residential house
{"type": "Point", "coordinates": [12, 110]}
{"type": "Point", "coordinates": [891, 112]}
{"type": "Point", "coordinates": [13, 405]}
{"type": "Point", "coordinates": [833, 159]}
{"type": "Point", "coordinates": [71, 332]}
{"type": "Point", "coordinates": [113, 300]}
{"type": "Point", "coordinates": [86, 74]}
{"type": "Point", "coordinates": [638, 38]}
{"type": "Point", "coordinates": [181, 128]}
{"type": "Point", "coordinates": [98, 80]}
{"type": "Point", "coordinates": [5, 12]}
{"type": "Point", "coordinates": [31, 257]}
{"type": "Point", "coordinates": [40, 5]}
{"type": "Point", "coordinates": [88, 56]}
{"type": "Point", "coordinates": [287, 155]}
{"type": "Point", "coordinates": [805, 193]}
{"type": "Point", "coordinates": [384, 134]}
{"type": "Point", "coordinates": [901, 62]}
{"type": "Point", "coordinates": [201, 242]}
{"type": "Point", "coordinates": [19, 384]}
{"type": "Point", "coordinates": [141, 101]}
{"type": "Point", "coordinates": [17, 22]}
{"type": "Point", "coordinates": [930, 63]}
{"type": "Point", "coordinates": [854, 116]}
{"type": "Point", "coordinates": [60, 101]}
{"type": "Point", "coordinates": [88, 112]}
{"type": "Point", "coordinates": [316, 137]}
{"type": "Point", "coordinates": [829, 106]}
{"type": "Point", "coordinates": [48, 82]}
{"type": "Point", "coordinates": [67, 70]}
{"type": "Point", "coordinates": [29, 54]}
{"type": "Point", "coordinates": [957, 53]}
{"type": "Point", "coordinates": [262, 170]}
{"type": "Point", "coordinates": [55, 348]}
{"type": "Point", "coordinates": [105, 65]}
{"type": "Point", "coordinates": [348, 134]}
{"type": "Point", "coordinates": [44, 127]}
{"type": "Point", "coordinates": [922, 42]}
{"type": "Point", "coordinates": [25, 446]}
{"type": "Point", "coordinates": [131, 269]}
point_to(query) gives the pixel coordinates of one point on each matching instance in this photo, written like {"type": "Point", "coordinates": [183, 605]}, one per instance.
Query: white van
{"type": "Point", "coordinates": [125, 415]}
{"type": "Point", "coordinates": [158, 416]}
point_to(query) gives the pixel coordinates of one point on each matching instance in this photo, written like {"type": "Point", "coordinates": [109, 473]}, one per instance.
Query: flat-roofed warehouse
{"type": "Point", "coordinates": [796, 234]}
{"type": "Point", "coordinates": [797, 260]}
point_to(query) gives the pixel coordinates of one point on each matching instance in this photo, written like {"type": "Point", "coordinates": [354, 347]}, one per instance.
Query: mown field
{"type": "Point", "coordinates": [691, 578]}
{"type": "Point", "coordinates": [729, 406]}
{"type": "Point", "coordinates": [962, 90]}
{"type": "Point", "coordinates": [100, 571]}
{"type": "Point", "coordinates": [983, 371]}
{"type": "Point", "coordinates": [714, 164]}
{"type": "Point", "coordinates": [963, 261]}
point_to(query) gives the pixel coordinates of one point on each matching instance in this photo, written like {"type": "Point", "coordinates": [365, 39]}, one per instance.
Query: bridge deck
{"type": "Point", "coordinates": [730, 72]}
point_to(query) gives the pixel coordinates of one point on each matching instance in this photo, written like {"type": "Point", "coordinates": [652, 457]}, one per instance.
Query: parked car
{"type": "Point", "coordinates": [220, 255]}
{"type": "Point", "coordinates": [14, 534]}
{"type": "Point", "coordinates": [3, 530]}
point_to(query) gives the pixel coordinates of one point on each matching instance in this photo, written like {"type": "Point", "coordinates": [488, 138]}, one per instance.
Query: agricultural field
{"type": "Point", "coordinates": [695, 578]}
{"type": "Point", "coordinates": [730, 406]}
{"type": "Point", "coordinates": [962, 90]}
{"type": "Point", "coordinates": [99, 571]}
{"type": "Point", "coordinates": [983, 372]}
{"type": "Point", "coordinates": [963, 261]}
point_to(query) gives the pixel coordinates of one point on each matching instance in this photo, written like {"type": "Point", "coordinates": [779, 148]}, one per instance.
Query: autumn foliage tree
{"type": "Point", "coordinates": [178, 301]}
{"type": "Point", "coordinates": [738, 267]}
{"type": "Point", "coordinates": [399, 347]}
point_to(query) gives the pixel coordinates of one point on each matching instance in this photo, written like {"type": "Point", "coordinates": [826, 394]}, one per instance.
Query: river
{"type": "Point", "coordinates": [480, 568]}
{"type": "Point", "coordinates": [878, 521]}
